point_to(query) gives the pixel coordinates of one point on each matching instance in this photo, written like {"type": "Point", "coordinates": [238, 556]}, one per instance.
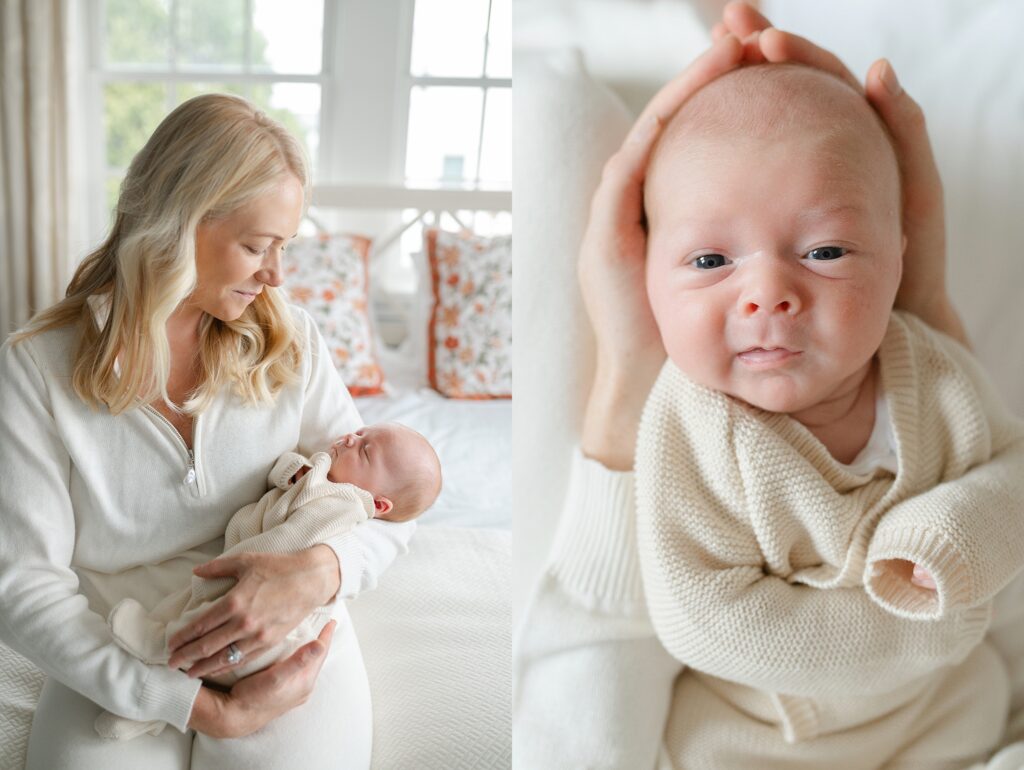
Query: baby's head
{"type": "Point", "coordinates": [393, 463]}
{"type": "Point", "coordinates": [774, 236]}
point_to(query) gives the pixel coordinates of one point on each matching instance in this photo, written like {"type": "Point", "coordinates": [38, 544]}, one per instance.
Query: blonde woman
{"type": "Point", "coordinates": [138, 414]}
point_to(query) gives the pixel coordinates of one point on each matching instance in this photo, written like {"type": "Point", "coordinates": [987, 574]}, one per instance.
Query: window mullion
{"type": "Point", "coordinates": [480, 140]}
{"type": "Point", "coordinates": [247, 39]}
{"type": "Point", "coordinates": [172, 53]}
{"type": "Point", "coordinates": [328, 85]}
{"type": "Point", "coordinates": [487, 38]}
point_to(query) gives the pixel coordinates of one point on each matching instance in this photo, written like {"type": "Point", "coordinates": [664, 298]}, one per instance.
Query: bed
{"type": "Point", "coordinates": [436, 633]}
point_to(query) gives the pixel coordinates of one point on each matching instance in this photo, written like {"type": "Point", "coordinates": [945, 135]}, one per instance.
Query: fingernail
{"type": "Point", "coordinates": [645, 130]}
{"type": "Point", "coordinates": [888, 75]}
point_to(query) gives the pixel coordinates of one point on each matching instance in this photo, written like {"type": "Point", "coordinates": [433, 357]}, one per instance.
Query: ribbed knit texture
{"type": "Point", "coordinates": [755, 544]}
{"type": "Point", "coordinates": [611, 581]}
{"type": "Point", "coordinates": [286, 519]}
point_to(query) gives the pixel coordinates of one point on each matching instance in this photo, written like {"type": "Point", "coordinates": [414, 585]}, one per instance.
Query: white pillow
{"type": "Point", "coordinates": [567, 125]}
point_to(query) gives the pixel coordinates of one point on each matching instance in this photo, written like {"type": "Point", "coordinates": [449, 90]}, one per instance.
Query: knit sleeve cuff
{"type": "Point", "coordinates": [169, 695]}
{"type": "Point", "coordinates": [891, 558]}
{"type": "Point", "coordinates": [595, 552]}
{"type": "Point", "coordinates": [352, 561]}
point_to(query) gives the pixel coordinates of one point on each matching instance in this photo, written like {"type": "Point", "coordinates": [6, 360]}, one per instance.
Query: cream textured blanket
{"type": "Point", "coordinates": [288, 518]}
{"type": "Point", "coordinates": [769, 570]}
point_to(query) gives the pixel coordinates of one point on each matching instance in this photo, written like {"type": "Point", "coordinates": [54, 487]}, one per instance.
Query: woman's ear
{"type": "Point", "coordinates": [381, 506]}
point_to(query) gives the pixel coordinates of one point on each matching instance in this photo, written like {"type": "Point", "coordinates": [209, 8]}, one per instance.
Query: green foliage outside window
{"type": "Point", "coordinates": [211, 37]}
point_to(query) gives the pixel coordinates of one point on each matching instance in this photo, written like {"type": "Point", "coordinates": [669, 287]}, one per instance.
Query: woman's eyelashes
{"type": "Point", "coordinates": [819, 254]}
{"type": "Point", "coordinates": [260, 252]}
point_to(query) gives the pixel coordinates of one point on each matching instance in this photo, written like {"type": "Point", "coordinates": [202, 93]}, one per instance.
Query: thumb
{"type": "Point", "coordinates": [327, 634]}
{"type": "Point", "coordinates": [906, 123]}
{"type": "Point", "coordinates": [315, 651]}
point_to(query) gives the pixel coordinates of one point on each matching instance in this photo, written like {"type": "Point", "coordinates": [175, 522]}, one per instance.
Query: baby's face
{"type": "Point", "coordinates": [376, 457]}
{"type": "Point", "coordinates": [773, 262]}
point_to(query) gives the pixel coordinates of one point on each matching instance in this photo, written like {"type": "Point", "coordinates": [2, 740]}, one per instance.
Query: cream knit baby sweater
{"type": "Point", "coordinates": [288, 518]}
{"type": "Point", "coordinates": [766, 563]}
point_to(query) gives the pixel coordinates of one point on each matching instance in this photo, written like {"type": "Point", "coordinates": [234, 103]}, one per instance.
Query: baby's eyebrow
{"type": "Point", "coordinates": [835, 210]}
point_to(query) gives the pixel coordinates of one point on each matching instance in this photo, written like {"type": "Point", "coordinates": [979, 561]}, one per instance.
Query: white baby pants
{"type": "Point", "coordinates": [330, 731]}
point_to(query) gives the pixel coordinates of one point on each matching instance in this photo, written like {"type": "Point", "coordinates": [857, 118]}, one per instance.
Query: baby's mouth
{"type": "Point", "coordinates": [767, 355]}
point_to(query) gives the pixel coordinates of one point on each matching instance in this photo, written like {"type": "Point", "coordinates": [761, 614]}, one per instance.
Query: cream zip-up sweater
{"type": "Point", "coordinates": [595, 684]}
{"type": "Point", "coordinates": [88, 500]}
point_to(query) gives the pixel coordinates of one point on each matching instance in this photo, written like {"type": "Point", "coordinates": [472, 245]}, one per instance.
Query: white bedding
{"type": "Point", "coordinates": [436, 633]}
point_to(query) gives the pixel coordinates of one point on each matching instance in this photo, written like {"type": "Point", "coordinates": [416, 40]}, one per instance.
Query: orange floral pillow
{"type": "Point", "coordinates": [469, 347]}
{"type": "Point", "coordinates": [328, 275]}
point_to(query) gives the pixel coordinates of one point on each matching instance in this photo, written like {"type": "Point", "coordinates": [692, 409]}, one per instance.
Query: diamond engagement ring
{"type": "Point", "coordinates": [235, 655]}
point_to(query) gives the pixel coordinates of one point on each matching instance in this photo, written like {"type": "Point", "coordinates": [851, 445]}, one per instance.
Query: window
{"type": "Point", "coordinates": [154, 54]}
{"type": "Point", "coordinates": [460, 94]}
{"type": "Point", "coordinates": [384, 93]}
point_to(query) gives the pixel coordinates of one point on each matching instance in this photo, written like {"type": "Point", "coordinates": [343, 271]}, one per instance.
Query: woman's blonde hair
{"type": "Point", "coordinates": [206, 159]}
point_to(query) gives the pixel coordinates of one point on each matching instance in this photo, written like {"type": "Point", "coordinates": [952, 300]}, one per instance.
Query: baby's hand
{"type": "Point", "coordinates": [922, 578]}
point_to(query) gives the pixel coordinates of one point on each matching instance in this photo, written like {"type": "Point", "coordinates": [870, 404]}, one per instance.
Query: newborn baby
{"type": "Point", "coordinates": [385, 471]}
{"type": "Point", "coordinates": [806, 447]}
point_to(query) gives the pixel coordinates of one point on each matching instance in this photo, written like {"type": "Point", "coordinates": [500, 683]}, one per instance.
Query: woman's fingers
{"type": "Point", "coordinates": [220, 612]}
{"type": "Point", "coordinates": [309, 658]}
{"type": "Point", "coordinates": [205, 654]}
{"type": "Point", "coordinates": [718, 32]}
{"type": "Point", "coordinates": [779, 46]}
{"type": "Point", "coordinates": [187, 638]}
{"type": "Point", "coordinates": [924, 261]}
{"type": "Point", "coordinates": [261, 697]}
{"type": "Point", "coordinates": [906, 123]}
{"type": "Point", "coordinates": [224, 566]}
{"type": "Point", "coordinates": [752, 53]}
{"type": "Point", "coordinates": [618, 200]}
{"type": "Point", "coordinates": [742, 20]}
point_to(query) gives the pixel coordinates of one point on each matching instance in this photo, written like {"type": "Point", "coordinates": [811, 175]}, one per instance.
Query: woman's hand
{"type": "Point", "coordinates": [611, 271]}
{"type": "Point", "coordinates": [262, 697]}
{"type": "Point", "coordinates": [275, 591]}
{"type": "Point", "coordinates": [923, 289]}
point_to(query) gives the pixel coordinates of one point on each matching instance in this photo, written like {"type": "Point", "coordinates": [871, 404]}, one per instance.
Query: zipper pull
{"type": "Point", "coordinates": [190, 477]}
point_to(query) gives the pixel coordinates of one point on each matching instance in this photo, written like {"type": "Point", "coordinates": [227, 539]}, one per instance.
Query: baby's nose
{"type": "Point", "coordinates": [349, 440]}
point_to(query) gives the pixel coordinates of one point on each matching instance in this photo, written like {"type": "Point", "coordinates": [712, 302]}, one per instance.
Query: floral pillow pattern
{"type": "Point", "coordinates": [328, 275]}
{"type": "Point", "coordinates": [470, 332]}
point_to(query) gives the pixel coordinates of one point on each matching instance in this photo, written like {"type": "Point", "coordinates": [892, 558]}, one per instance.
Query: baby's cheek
{"type": "Point", "coordinates": [693, 339]}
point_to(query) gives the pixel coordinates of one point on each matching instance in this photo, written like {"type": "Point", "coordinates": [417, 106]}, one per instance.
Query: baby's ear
{"type": "Point", "coordinates": [382, 506]}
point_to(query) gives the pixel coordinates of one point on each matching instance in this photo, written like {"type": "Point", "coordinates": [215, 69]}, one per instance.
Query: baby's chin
{"type": "Point", "coordinates": [780, 395]}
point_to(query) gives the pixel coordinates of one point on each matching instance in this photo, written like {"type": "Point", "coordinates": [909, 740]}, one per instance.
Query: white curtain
{"type": "Point", "coordinates": [42, 214]}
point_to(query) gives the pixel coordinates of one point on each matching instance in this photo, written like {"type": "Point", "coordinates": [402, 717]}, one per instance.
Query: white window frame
{"type": "Point", "coordinates": [408, 81]}
{"type": "Point", "coordinates": [367, 46]}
